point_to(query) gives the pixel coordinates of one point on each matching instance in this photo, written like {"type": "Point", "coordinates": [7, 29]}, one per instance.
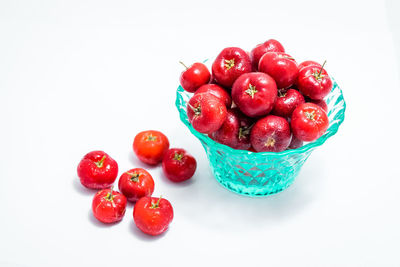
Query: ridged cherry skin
{"type": "Point", "coordinates": [97, 170]}
{"type": "Point", "coordinates": [309, 122]}
{"type": "Point", "coordinates": [286, 102]}
{"type": "Point", "coordinates": [217, 91]}
{"type": "Point", "coordinates": [206, 113]}
{"type": "Point", "coordinates": [255, 94]}
{"type": "Point", "coordinates": [235, 131]}
{"type": "Point", "coordinates": [281, 67]}
{"type": "Point", "coordinates": [195, 76]}
{"type": "Point", "coordinates": [229, 65]}
{"type": "Point", "coordinates": [271, 134]}
{"type": "Point", "coordinates": [314, 82]}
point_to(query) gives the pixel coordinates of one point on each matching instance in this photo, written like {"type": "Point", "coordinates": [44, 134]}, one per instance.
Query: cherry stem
{"type": "Point", "coordinates": [183, 64]}
{"type": "Point", "coordinates": [110, 194]}
{"type": "Point", "coordinates": [134, 177]}
{"type": "Point", "coordinates": [197, 111]}
{"type": "Point", "coordinates": [319, 74]}
{"type": "Point", "coordinates": [154, 206]}
{"type": "Point", "coordinates": [101, 162]}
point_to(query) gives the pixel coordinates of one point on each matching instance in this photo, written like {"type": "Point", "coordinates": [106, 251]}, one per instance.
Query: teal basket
{"type": "Point", "coordinates": [262, 173]}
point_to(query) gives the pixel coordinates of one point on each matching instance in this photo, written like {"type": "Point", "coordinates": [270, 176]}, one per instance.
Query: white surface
{"type": "Point", "coordinates": [76, 76]}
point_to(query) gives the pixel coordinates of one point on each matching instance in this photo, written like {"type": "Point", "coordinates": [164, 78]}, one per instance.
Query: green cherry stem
{"type": "Point", "coordinates": [101, 162]}
{"type": "Point", "coordinates": [154, 206]}
{"type": "Point", "coordinates": [110, 196]}
{"type": "Point", "coordinates": [319, 74]}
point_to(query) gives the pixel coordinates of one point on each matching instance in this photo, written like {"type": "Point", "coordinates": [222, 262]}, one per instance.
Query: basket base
{"type": "Point", "coordinates": [255, 191]}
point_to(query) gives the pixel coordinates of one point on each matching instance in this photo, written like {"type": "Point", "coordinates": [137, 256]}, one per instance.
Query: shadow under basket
{"type": "Point", "coordinates": [261, 173]}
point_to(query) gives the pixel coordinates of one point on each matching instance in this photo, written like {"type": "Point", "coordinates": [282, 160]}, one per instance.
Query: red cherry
{"type": "Point", "coordinates": [150, 146]}
{"type": "Point", "coordinates": [254, 93]}
{"type": "Point", "coordinates": [109, 206]}
{"type": "Point", "coordinates": [194, 77]}
{"type": "Point", "coordinates": [309, 122]}
{"type": "Point", "coordinates": [314, 82]}
{"type": "Point", "coordinates": [287, 101]}
{"type": "Point", "coordinates": [271, 133]}
{"type": "Point", "coordinates": [282, 67]}
{"type": "Point", "coordinates": [206, 112]}
{"type": "Point", "coordinates": [153, 215]}
{"type": "Point", "coordinates": [178, 165]}
{"type": "Point", "coordinates": [269, 46]}
{"type": "Point", "coordinates": [308, 63]}
{"type": "Point", "coordinates": [217, 91]}
{"type": "Point", "coordinates": [235, 131]}
{"type": "Point", "coordinates": [229, 65]}
{"type": "Point", "coordinates": [136, 183]}
{"type": "Point", "coordinates": [97, 170]}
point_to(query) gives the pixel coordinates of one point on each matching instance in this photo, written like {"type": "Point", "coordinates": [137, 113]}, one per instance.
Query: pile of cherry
{"type": "Point", "coordinates": [258, 101]}
{"type": "Point", "coordinates": [97, 170]}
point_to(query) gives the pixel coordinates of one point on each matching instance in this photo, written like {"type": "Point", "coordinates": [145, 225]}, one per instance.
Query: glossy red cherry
{"type": "Point", "coordinates": [229, 65]}
{"type": "Point", "coordinates": [109, 206]}
{"type": "Point", "coordinates": [309, 122]}
{"type": "Point", "coordinates": [178, 165]}
{"type": "Point", "coordinates": [314, 82]}
{"type": "Point", "coordinates": [269, 46]}
{"type": "Point", "coordinates": [97, 170]}
{"type": "Point", "coordinates": [206, 113]}
{"type": "Point", "coordinates": [286, 102]}
{"type": "Point", "coordinates": [194, 77]}
{"type": "Point", "coordinates": [271, 133]}
{"type": "Point", "coordinates": [280, 66]}
{"type": "Point", "coordinates": [235, 131]}
{"type": "Point", "coordinates": [150, 146]}
{"type": "Point", "coordinates": [153, 215]}
{"type": "Point", "coordinates": [254, 93]}
{"type": "Point", "coordinates": [217, 91]}
{"type": "Point", "coordinates": [136, 183]}
{"type": "Point", "coordinates": [308, 63]}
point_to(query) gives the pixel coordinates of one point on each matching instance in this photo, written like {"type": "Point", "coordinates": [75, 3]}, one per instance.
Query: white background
{"type": "Point", "coordinates": [77, 76]}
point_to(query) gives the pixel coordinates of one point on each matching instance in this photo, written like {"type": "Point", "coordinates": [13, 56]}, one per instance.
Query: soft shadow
{"type": "Point", "coordinates": [186, 183]}
{"type": "Point", "coordinates": [81, 189]}
{"type": "Point", "coordinates": [142, 236]}
{"type": "Point", "coordinates": [97, 223]}
{"type": "Point", "coordinates": [138, 164]}
{"type": "Point", "coordinates": [223, 206]}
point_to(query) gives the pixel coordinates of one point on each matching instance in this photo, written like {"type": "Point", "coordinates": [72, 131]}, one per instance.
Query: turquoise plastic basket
{"type": "Point", "coordinates": [262, 173]}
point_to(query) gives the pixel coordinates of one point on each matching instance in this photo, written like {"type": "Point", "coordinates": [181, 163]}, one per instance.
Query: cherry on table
{"type": "Point", "coordinates": [135, 184]}
{"type": "Point", "coordinates": [178, 165]}
{"type": "Point", "coordinates": [97, 170]}
{"type": "Point", "coordinates": [150, 146]}
{"type": "Point", "coordinates": [153, 215]}
{"type": "Point", "coordinates": [109, 206]}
